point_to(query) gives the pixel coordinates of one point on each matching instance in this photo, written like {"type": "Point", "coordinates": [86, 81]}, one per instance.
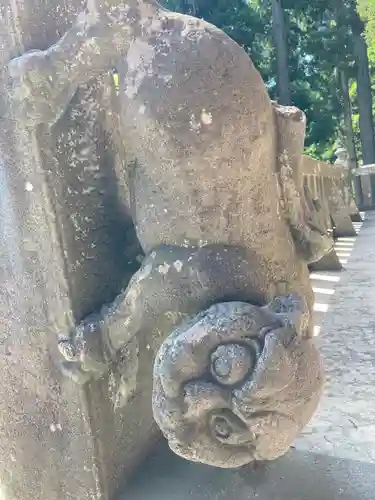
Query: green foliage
{"type": "Point", "coordinates": [366, 9]}
{"type": "Point", "coordinates": [319, 42]}
{"type": "Point", "coordinates": [240, 20]}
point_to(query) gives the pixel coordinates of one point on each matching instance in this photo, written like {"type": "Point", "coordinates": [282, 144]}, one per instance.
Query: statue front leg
{"type": "Point", "coordinates": [151, 304]}
{"type": "Point", "coordinates": [94, 345]}
{"type": "Point", "coordinates": [167, 289]}
{"type": "Point", "coordinates": [234, 382]}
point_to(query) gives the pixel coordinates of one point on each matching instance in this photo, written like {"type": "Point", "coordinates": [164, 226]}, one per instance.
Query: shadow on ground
{"type": "Point", "coordinates": [296, 476]}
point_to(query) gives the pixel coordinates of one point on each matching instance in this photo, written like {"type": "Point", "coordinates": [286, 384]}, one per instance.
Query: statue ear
{"type": "Point", "coordinates": [302, 213]}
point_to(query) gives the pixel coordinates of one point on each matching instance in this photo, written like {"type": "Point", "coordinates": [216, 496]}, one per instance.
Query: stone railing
{"type": "Point", "coordinates": [154, 245]}
{"type": "Point", "coordinates": [330, 185]}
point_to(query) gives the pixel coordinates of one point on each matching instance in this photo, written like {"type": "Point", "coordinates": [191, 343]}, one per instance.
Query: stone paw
{"type": "Point", "coordinates": [85, 353]}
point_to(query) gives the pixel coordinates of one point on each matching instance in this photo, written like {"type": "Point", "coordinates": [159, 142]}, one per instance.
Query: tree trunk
{"type": "Point", "coordinates": [353, 181]}
{"type": "Point", "coordinates": [347, 110]}
{"type": "Point", "coordinates": [366, 123]}
{"type": "Point", "coordinates": [281, 48]}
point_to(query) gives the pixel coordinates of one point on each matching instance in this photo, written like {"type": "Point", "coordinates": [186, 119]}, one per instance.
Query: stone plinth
{"type": "Point", "coordinates": [366, 183]}
{"type": "Point", "coordinates": [63, 234]}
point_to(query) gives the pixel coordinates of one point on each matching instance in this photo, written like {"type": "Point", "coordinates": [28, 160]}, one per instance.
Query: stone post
{"type": "Point", "coordinates": [315, 182]}
{"type": "Point", "coordinates": [47, 446]}
{"type": "Point", "coordinates": [334, 192]}
{"type": "Point", "coordinates": [343, 225]}
{"type": "Point", "coordinates": [365, 175]}
{"type": "Point", "coordinates": [313, 177]}
{"type": "Point", "coordinates": [347, 183]}
{"type": "Point", "coordinates": [63, 232]}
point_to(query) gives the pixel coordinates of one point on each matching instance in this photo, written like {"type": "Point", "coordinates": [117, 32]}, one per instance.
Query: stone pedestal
{"type": "Point", "coordinates": [353, 209]}
{"type": "Point", "coordinates": [365, 180]}
{"type": "Point", "coordinates": [63, 232]}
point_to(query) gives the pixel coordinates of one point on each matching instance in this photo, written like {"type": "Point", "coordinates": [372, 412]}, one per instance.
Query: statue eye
{"type": "Point", "coordinates": [231, 364]}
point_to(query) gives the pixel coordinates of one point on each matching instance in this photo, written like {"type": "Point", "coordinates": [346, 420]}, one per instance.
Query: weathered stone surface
{"type": "Point", "coordinates": [316, 184]}
{"type": "Point", "coordinates": [46, 446]}
{"type": "Point", "coordinates": [334, 192]}
{"type": "Point", "coordinates": [366, 186]}
{"type": "Point", "coordinates": [306, 218]}
{"type": "Point", "coordinates": [237, 383]}
{"type": "Point", "coordinates": [343, 226]}
{"type": "Point", "coordinates": [348, 183]}
{"type": "Point", "coordinates": [313, 178]}
{"type": "Point", "coordinates": [334, 458]}
{"type": "Point", "coordinates": [206, 167]}
{"type": "Point", "coordinates": [63, 253]}
{"type": "Point", "coordinates": [330, 189]}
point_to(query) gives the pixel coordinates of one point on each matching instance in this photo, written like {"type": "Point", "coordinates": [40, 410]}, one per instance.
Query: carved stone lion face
{"type": "Point", "coordinates": [235, 384]}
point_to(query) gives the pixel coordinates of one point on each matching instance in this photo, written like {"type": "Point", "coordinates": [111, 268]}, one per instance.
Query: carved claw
{"type": "Point", "coordinates": [237, 383]}
{"type": "Point", "coordinates": [88, 356]}
{"type": "Point", "coordinates": [85, 353]}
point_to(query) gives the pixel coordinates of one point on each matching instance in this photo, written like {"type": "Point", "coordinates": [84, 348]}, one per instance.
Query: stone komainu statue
{"type": "Point", "coordinates": [213, 185]}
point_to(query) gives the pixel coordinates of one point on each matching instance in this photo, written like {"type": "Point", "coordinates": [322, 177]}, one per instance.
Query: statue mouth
{"type": "Point", "coordinates": [216, 454]}
{"type": "Point", "coordinates": [225, 446]}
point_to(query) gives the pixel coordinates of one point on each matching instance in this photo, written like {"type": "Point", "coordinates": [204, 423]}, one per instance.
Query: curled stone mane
{"type": "Point", "coordinates": [235, 384]}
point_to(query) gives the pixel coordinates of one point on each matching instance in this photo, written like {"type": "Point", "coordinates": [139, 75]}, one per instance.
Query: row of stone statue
{"type": "Point", "coordinates": [155, 242]}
